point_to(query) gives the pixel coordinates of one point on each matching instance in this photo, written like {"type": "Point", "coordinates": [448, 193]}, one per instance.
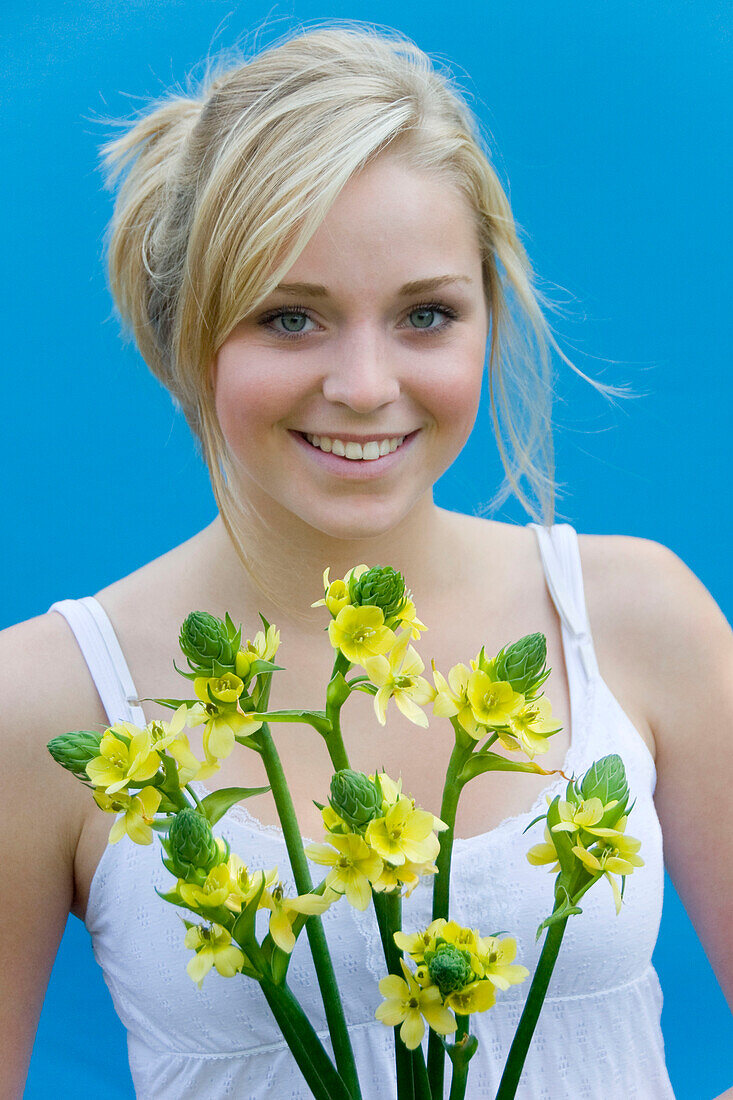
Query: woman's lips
{"type": "Point", "coordinates": [358, 469]}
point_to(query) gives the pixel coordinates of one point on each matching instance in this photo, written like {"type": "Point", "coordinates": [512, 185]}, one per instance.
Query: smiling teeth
{"type": "Point", "coordinates": [356, 451]}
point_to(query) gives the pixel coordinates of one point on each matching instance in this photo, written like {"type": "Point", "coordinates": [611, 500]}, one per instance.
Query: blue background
{"type": "Point", "coordinates": [611, 126]}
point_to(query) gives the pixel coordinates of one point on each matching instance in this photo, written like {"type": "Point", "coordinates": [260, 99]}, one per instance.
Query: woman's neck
{"type": "Point", "coordinates": [286, 569]}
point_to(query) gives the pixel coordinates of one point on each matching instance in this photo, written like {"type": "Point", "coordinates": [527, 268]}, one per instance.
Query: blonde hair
{"type": "Point", "coordinates": [221, 190]}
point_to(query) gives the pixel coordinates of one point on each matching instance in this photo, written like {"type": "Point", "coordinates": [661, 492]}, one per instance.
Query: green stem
{"type": "Point", "coordinates": [535, 1000]}
{"type": "Point", "coordinates": [192, 792]}
{"type": "Point", "coordinates": [335, 699]}
{"type": "Point", "coordinates": [452, 788]}
{"type": "Point", "coordinates": [388, 909]}
{"type": "Point", "coordinates": [459, 1077]}
{"type": "Point", "coordinates": [305, 1046]}
{"type": "Point", "coordinates": [314, 929]}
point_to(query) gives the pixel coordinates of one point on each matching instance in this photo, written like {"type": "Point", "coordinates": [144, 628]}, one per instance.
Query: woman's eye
{"type": "Point", "coordinates": [293, 322]}
{"type": "Point", "coordinates": [423, 317]}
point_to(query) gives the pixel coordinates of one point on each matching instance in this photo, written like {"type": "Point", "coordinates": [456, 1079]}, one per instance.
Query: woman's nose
{"type": "Point", "coordinates": [362, 373]}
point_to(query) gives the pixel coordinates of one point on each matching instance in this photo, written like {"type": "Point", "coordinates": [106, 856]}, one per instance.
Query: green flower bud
{"type": "Point", "coordinates": [191, 844]}
{"type": "Point", "coordinates": [74, 750]}
{"type": "Point", "coordinates": [522, 664]}
{"type": "Point", "coordinates": [210, 644]}
{"type": "Point", "coordinates": [449, 967]}
{"type": "Point", "coordinates": [606, 779]}
{"type": "Point", "coordinates": [355, 798]}
{"type": "Point", "coordinates": [379, 586]}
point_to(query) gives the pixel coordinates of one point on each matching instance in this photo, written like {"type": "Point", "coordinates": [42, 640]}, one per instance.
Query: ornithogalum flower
{"type": "Point", "coordinates": [397, 676]}
{"type": "Point", "coordinates": [496, 958]}
{"type": "Point", "coordinates": [493, 701]}
{"type": "Point", "coordinates": [359, 632]}
{"type": "Point", "coordinates": [213, 946]}
{"type": "Point", "coordinates": [263, 648]}
{"type": "Point", "coordinates": [213, 893]}
{"type": "Point", "coordinates": [615, 857]}
{"type": "Point", "coordinates": [404, 834]}
{"type": "Point", "coordinates": [539, 854]}
{"type": "Point", "coordinates": [531, 724]}
{"type": "Point", "coordinates": [354, 866]}
{"type": "Point", "coordinates": [189, 766]}
{"type": "Point", "coordinates": [163, 733]}
{"type": "Point", "coordinates": [407, 617]}
{"type": "Point", "coordinates": [285, 910]}
{"type": "Point", "coordinates": [408, 1004]}
{"type": "Point", "coordinates": [122, 762]}
{"type": "Point", "coordinates": [136, 813]}
{"type": "Point", "coordinates": [337, 593]}
{"type": "Point", "coordinates": [579, 815]}
{"type": "Point", "coordinates": [220, 716]}
{"type": "Point", "coordinates": [245, 884]}
{"type": "Point", "coordinates": [475, 997]}
{"type": "Point", "coordinates": [451, 698]}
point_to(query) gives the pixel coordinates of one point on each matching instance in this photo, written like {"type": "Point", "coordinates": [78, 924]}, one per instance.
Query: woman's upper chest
{"type": "Point", "coordinates": [489, 607]}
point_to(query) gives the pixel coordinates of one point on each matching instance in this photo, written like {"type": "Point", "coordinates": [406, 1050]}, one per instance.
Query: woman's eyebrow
{"type": "Point", "coordinates": [418, 286]}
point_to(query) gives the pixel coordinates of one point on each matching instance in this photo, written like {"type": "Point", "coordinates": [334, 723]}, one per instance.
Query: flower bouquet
{"type": "Point", "coordinates": [378, 843]}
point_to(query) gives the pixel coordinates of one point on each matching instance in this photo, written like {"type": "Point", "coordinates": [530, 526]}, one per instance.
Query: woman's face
{"type": "Point", "coordinates": [350, 348]}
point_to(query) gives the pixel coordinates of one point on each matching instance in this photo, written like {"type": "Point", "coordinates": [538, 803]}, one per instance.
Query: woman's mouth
{"type": "Point", "coordinates": [355, 460]}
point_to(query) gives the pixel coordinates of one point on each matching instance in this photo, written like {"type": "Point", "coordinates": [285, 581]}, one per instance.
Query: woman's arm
{"type": "Point", "coordinates": [687, 649]}
{"type": "Point", "coordinates": [42, 693]}
{"type": "Point", "coordinates": [677, 650]}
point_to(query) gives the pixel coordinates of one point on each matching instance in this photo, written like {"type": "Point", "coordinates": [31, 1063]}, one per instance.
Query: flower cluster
{"type": "Point", "coordinates": [585, 833]}
{"type": "Point", "coordinates": [214, 882]}
{"type": "Point", "coordinates": [378, 839]}
{"type": "Point", "coordinates": [499, 695]}
{"type": "Point", "coordinates": [457, 971]}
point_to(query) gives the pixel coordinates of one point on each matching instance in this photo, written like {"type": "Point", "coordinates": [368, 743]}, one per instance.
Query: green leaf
{"type": "Point", "coordinates": [174, 704]}
{"type": "Point", "coordinates": [264, 621]}
{"type": "Point", "coordinates": [259, 666]}
{"type": "Point", "coordinates": [485, 761]}
{"type": "Point", "coordinates": [216, 804]}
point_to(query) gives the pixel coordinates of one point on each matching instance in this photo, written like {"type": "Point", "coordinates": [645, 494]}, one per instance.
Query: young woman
{"type": "Point", "coordinates": [314, 256]}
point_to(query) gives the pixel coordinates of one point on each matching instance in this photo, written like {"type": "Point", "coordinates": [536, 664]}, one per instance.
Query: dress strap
{"type": "Point", "coordinates": [563, 571]}
{"type": "Point", "coordinates": [100, 649]}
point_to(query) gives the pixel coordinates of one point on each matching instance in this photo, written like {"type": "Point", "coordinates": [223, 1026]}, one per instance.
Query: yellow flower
{"type": "Point", "coordinates": [391, 789]}
{"type": "Point", "coordinates": [337, 592]}
{"type": "Point", "coordinates": [407, 616]}
{"type": "Point", "coordinates": [214, 892]}
{"type": "Point", "coordinates": [359, 632]}
{"type": "Point", "coordinates": [407, 874]}
{"type": "Point", "coordinates": [497, 962]}
{"type": "Point", "coordinates": [406, 1004]}
{"type": "Point", "coordinates": [476, 997]}
{"type": "Point", "coordinates": [213, 946]}
{"type": "Point", "coordinates": [398, 677]}
{"type": "Point", "coordinates": [418, 943]}
{"type": "Point", "coordinates": [404, 834]}
{"type": "Point", "coordinates": [544, 853]}
{"type": "Point", "coordinates": [163, 733]}
{"type": "Point", "coordinates": [189, 766]}
{"type": "Point", "coordinates": [263, 648]}
{"type": "Point", "coordinates": [532, 724]}
{"type": "Point", "coordinates": [137, 816]}
{"type": "Point", "coordinates": [243, 885]}
{"type": "Point", "coordinates": [222, 720]}
{"type": "Point", "coordinates": [619, 858]}
{"type": "Point", "coordinates": [451, 698]}
{"type": "Point", "coordinates": [120, 763]}
{"type": "Point", "coordinates": [578, 815]}
{"type": "Point", "coordinates": [285, 910]}
{"type": "Point", "coordinates": [355, 866]}
{"type": "Point", "coordinates": [492, 701]}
